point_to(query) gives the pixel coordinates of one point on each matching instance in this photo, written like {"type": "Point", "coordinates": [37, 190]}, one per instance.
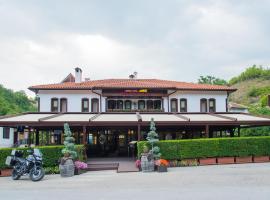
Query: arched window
{"type": "Point", "coordinates": [157, 104]}
{"type": "Point", "coordinates": [174, 106]}
{"type": "Point", "coordinates": [141, 104]}
{"type": "Point", "coordinates": [119, 104]}
{"type": "Point", "coordinates": [85, 105]}
{"type": "Point", "coordinates": [95, 105]}
{"type": "Point", "coordinates": [203, 105]}
{"type": "Point", "coordinates": [149, 104]}
{"type": "Point", "coordinates": [183, 105]}
{"type": "Point", "coordinates": [111, 104]}
{"type": "Point", "coordinates": [63, 105]}
{"type": "Point", "coordinates": [128, 105]}
{"type": "Point", "coordinates": [212, 105]}
{"type": "Point", "coordinates": [54, 105]}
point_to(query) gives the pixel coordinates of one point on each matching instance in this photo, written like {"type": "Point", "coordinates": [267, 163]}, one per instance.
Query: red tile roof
{"type": "Point", "coordinates": [131, 83]}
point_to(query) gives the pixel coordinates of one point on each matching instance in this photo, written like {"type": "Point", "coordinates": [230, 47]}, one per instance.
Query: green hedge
{"type": "Point", "coordinates": [51, 154]}
{"type": "Point", "coordinates": [214, 147]}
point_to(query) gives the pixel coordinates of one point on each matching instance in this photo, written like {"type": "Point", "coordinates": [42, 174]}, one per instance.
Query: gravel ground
{"type": "Point", "coordinates": [243, 181]}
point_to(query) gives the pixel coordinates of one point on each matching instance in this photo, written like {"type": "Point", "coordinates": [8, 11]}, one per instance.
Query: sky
{"type": "Point", "coordinates": [41, 41]}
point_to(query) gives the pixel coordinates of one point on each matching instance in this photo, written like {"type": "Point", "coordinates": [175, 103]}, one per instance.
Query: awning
{"type": "Point", "coordinates": [134, 119]}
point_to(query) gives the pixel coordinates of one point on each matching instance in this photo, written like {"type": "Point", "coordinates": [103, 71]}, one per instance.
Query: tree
{"type": "Point", "coordinates": [211, 80]}
{"type": "Point", "coordinates": [69, 149]}
{"type": "Point", "coordinates": [152, 138]}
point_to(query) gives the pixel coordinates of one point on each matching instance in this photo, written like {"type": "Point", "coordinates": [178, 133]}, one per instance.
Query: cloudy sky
{"type": "Point", "coordinates": [42, 41]}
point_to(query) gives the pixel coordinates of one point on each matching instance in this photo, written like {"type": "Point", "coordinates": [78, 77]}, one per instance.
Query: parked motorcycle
{"type": "Point", "coordinates": [31, 165]}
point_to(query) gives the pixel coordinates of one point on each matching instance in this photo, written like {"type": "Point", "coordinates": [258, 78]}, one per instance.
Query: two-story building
{"type": "Point", "coordinates": [108, 114]}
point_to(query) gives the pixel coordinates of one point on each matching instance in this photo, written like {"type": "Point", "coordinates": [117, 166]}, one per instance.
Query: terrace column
{"type": "Point", "coordinates": [84, 135]}
{"type": "Point", "coordinates": [139, 132]}
{"type": "Point", "coordinates": [238, 131]}
{"type": "Point", "coordinates": [207, 131]}
{"type": "Point", "coordinates": [37, 137]}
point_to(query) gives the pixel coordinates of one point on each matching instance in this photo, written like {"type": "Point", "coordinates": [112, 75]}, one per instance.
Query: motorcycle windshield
{"type": "Point", "coordinates": [37, 152]}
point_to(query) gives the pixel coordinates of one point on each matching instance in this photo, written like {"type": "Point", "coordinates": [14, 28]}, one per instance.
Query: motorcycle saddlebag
{"type": "Point", "coordinates": [9, 160]}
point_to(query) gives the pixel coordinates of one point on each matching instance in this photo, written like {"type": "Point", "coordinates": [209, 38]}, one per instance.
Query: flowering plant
{"type": "Point", "coordinates": [138, 163]}
{"type": "Point", "coordinates": [80, 165]}
{"type": "Point", "coordinates": [162, 162]}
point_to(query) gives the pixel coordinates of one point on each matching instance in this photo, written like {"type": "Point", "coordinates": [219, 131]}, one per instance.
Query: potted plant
{"type": "Point", "coordinates": [148, 157]}
{"type": "Point", "coordinates": [80, 167]}
{"type": "Point", "coordinates": [162, 165]}
{"type": "Point", "coordinates": [66, 166]}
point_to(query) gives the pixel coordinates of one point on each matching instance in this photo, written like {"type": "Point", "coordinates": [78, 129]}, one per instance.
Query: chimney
{"type": "Point", "coordinates": [78, 75]}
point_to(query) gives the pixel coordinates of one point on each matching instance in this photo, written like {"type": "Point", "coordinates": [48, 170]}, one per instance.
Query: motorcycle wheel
{"type": "Point", "coordinates": [37, 175]}
{"type": "Point", "coordinates": [15, 175]}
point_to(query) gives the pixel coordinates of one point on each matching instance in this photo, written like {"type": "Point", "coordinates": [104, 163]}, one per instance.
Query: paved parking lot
{"type": "Point", "coordinates": [243, 181]}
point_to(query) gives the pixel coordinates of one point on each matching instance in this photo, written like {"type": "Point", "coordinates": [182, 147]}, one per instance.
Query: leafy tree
{"type": "Point", "coordinates": [152, 138]}
{"type": "Point", "coordinates": [211, 80]}
{"type": "Point", "coordinates": [14, 102]}
{"type": "Point", "coordinates": [69, 149]}
{"type": "Point", "coordinates": [252, 73]}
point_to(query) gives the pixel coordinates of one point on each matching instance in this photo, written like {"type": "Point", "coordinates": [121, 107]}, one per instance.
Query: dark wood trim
{"type": "Point", "coordinates": [94, 117]}
{"type": "Point", "coordinates": [203, 99]}
{"type": "Point", "coordinates": [185, 100]}
{"type": "Point", "coordinates": [214, 102]}
{"type": "Point", "coordinates": [50, 117]}
{"type": "Point", "coordinates": [82, 104]}
{"type": "Point", "coordinates": [93, 100]}
{"type": "Point", "coordinates": [175, 100]}
{"type": "Point", "coordinates": [61, 101]}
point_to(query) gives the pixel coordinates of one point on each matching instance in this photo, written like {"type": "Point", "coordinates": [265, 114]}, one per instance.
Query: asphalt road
{"type": "Point", "coordinates": [243, 181]}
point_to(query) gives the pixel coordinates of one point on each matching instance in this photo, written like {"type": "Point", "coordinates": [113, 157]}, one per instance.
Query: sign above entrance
{"type": "Point", "coordinates": [136, 91]}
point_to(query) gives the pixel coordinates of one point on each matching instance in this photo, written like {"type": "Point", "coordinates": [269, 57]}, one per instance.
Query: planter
{"type": "Point", "coordinates": [240, 160]}
{"type": "Point", "coordinates": [147, 165]}
{"type": "Point", "coordinates": [189, 162]}
{"type": "Point", "coordinates": [67, 169]}
{"type": "Point", "coordinates": [260, 159]}
{"type": "Point", "coordinates": [225, 160]}
{"type": "Point", "coordinates": [79, 171]}
{"type": "Point", "coordinates": [162, 168]}
{"type": "Point", "coordinates": [208, 161]}
{"type": "Point", "coordinates": [5, 172]}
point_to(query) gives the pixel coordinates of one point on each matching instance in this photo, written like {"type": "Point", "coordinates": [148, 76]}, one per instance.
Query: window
{"type": "Point", "coordinates": [149, 104]}
{"type": "Point", "coordinates": [212, 105]}
{"type": "Point", "coordinates": [54, 105]}
{"type": "Point", "coordinates": [128, 105]}
{"type": "Point", "coordinates": [111, 104]}
{"type": "Point", "coordinates": [203, 105]}
{"type": "Point", "coordinates": [183, 105]}
{"type": "Point", "coordinates": [174, 107]}
{"type": "Point", "coordinates": [63, 105]}
{"type": "Point", "coordinates": [119, 104]}
{"type": "Point", "coordinates": [141, 104]}
{"type": "Point", "coordinates": [85, 105]}
{"type": "Point", "coordinates": [6, 133]}
{"type": "Point", "coordinates": [95, 105]}
{"type": "Point", "coordinates": [157, 105]}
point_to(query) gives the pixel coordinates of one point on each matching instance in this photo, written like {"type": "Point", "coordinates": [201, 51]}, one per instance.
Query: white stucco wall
{"type": "Point", "coordinates": [74, 98]}
{"type": "Point", "coordinates": [6, 142]}
{"type": "Point", "coordinates": [193, 99]}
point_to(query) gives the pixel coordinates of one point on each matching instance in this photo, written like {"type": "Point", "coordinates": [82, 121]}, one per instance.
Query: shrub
{"type": "Point", "coordinates": [212, 147]}
{"type": "Point", "coordinates": [51, 154]}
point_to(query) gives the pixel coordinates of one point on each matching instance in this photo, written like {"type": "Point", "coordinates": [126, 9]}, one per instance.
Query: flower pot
{"type": "Point", "coordinates": [260, 159]}
{"type": "Point", "coordinates": [162, 168]}
{"type": "Point", "coordinates": [5, 172]}
{"type": "Point", "coordinates": [208, 161]}
{"type": "Point", "coordinates": [67, 169]}
{"type": "Point", "coordinates": [225, 160]}
{"type": "Point", "coordinates": [247, 159]}
{"type": "Point", "coordinates": [147, 165]}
